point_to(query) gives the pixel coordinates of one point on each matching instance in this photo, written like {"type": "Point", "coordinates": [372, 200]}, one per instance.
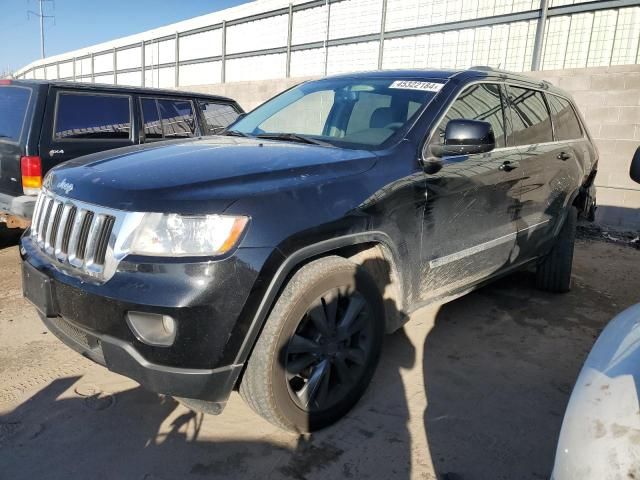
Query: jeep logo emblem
{"type": "Point", "coordinates": [65, 186]}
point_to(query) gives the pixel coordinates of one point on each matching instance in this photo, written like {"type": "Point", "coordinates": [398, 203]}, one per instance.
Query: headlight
{"type": "Point", "coordinates": [172, 235]}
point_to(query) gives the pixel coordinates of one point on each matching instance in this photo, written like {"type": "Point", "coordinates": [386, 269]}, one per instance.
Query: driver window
{"type": "Point", "coordinates": [478, 102]}
{"type": "Point", "coordinates": [306, 116]}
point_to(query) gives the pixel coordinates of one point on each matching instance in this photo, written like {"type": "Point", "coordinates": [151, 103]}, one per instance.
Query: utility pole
{"type": "Point", "coordinates": [42, 16]}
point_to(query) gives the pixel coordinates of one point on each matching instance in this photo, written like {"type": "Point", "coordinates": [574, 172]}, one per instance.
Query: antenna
{"type": "Point", "coordinates": [42, 16]}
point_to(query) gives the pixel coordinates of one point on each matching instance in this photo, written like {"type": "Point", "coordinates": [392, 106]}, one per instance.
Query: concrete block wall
{"type": "Point", "coordinates": [608, 97]}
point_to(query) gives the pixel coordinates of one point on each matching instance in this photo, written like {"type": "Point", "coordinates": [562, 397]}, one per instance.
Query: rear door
{"type": "Point", "coordinates": [217, 116]}
{"type": "Point", "coordinates": [16, 112]}
{"type": "Point", "coordinates": [546, 183]}
{"type": "Point", "coordinates": [469, 229]}
{"type": "Point", "coordinates": [80, 122]}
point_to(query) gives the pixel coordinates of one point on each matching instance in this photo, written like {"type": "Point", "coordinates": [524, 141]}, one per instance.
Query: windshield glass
{"type": "Point", "coordinates": [346, 112]}
{"type": "Point", "coordinates": [13, 108]}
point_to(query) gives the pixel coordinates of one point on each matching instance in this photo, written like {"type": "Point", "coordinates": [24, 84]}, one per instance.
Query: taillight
{"type": "Point", "coordinates": [31, 168]}
{"type": "Point", "coordinates": [5, 81]}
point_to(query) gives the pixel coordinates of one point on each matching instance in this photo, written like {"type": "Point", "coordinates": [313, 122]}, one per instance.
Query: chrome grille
{"type": "Point", "coordinates": [74, 234]}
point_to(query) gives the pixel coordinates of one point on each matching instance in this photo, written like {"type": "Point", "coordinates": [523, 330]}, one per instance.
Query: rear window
{"type": "Point", "coordinates": [92, 117]}
{"type": "Point", "coordinates": [530, 117]}
{"type": "Point", "coordinates": [218, 116]}
{"type": "Point", "coordinates": [14, 102]}
{"type": "Point", "coordinates": [565, 122]}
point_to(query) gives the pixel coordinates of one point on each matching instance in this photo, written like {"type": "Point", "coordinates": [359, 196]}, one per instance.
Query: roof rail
{"type": "Point", "coordinates": [486, 68]}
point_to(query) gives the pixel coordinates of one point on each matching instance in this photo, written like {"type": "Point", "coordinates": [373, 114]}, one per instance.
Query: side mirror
{"type": "Point", "coordinates": [466, 137]}
{"type": "Point", "coordinates": [634, 171]}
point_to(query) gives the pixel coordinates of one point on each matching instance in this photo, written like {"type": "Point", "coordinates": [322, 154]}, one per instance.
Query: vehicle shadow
{"type": "Point", "coordinates": [498, 377]}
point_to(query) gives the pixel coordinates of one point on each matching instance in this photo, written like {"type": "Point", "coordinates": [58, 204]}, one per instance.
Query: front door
{"type": "Point", "coordinates": [469, 225]}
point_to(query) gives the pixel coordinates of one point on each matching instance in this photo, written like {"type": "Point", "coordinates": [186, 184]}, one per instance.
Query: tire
{"type": "Point", "coordinates": [554, 272]}
{"type": "Point", "coordinates": [346, 359]}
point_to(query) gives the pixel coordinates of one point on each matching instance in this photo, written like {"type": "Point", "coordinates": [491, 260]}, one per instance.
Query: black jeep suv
{"type": "Point", "coordinates": [273, 258]}
{"type": "Point", "coordinates": [44, 123]}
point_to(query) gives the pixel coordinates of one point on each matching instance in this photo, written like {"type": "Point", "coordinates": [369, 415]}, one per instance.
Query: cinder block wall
{"type": "Point", "coordinates": [608, 97]}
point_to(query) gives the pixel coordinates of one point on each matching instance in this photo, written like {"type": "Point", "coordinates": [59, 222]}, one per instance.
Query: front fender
{"type": "Point", "coordinates": [291, 263]}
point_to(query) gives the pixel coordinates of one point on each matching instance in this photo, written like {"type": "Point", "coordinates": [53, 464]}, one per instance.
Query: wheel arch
{"type": "Point", "coordinates": [373, 250]}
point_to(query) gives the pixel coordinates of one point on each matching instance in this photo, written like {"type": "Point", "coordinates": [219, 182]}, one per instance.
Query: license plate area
{"type": "Point", "coordinates": [37, 288]}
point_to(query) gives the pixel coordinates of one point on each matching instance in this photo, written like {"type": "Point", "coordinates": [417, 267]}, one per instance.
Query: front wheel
{"type": "Point", "coordinates": [319, 347]}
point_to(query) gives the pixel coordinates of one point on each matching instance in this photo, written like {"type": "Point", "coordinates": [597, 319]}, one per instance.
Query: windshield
{"type": "Point", "coordinates": [13, 108]}
{"type": "Point", "coordinates": [346, 112]}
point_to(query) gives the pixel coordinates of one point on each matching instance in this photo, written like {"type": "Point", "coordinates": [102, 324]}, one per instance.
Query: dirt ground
{"type": "Point", "coordinates": [475, 389]}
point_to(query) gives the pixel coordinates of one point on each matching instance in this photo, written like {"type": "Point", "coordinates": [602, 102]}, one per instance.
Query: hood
{"type": "Point", "coordinates": [200, 175]}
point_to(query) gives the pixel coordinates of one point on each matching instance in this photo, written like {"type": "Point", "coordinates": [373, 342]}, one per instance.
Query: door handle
{"type": "Point", "coordinates": [564, 156]}
{"type": "Point", "coordinates": [507, 166]}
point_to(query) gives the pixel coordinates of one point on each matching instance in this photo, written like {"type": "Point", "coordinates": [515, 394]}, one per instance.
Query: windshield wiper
{"type": "Point", "coordinates": [293, 137]}
{"type": "Point", "coordinates": [235, 133]}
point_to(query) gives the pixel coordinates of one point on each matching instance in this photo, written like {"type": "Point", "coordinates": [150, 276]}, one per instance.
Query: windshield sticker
{"type": "Point", "coordinates": [415, 85]}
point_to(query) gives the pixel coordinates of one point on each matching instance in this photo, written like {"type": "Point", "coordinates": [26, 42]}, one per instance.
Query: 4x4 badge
{"type": "Point", "coordinates": [65, 186]}
{"type": "Point", "coordinates": [54, 152]}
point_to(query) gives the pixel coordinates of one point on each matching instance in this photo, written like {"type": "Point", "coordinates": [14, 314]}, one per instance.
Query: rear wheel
{"type": "Point", "coordinates": [554, 272]}
{"type": "Point", "coordinates": [319, 347]}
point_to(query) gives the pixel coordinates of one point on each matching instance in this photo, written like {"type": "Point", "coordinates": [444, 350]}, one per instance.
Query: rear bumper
{"type": "Point", "coordinates": [20, 207]}
{"type": "Point", "coordinates": [213, 385]}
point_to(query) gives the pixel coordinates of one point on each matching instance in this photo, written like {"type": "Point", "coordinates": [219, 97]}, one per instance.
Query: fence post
{"type": "Point", "coordinates": [289, 35]}
{"type": "Point", "coordinates": [93, 75]}
{"type": "Point", "coordinates": [326, 39]}
{"type": "Point", "coordinates": [115, 66]}
{"type": "Point", "coordinates": [177, 60]}
{"type": "Point", "coordinates": [74, 69]}
{"type": "Point", "coordinates": [382, 28]}
{"type": "Point", "coordinates": [142, 60]}
{"type": "Point", "coordinates": [223, 68]}
{"type": "Point", "coordinates": [540, 31]}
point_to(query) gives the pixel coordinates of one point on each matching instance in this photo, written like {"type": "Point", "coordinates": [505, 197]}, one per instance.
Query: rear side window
{"type": "Point", "coordinates": [479, 102]}
{"type": "Point", "coordinates": [92, 117]}
{"type": "Point", "coordinates": [218, 116]}
{"type": "Point", "coordinates": [530, 117]}
{"type": "Point", "coordinates": [177, 116]}
{"type": "Point", "coordinates": [565, 122]}
{"type": "Point", "coordinates": [151, 119]}
{"type": "Point", "coordinates": [14, 102]}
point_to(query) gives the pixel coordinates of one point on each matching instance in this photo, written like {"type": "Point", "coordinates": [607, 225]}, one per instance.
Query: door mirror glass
{"type": "Point", "coordinates": [465, 137]}
{"type": "Point", "coordinates": [634, 171]}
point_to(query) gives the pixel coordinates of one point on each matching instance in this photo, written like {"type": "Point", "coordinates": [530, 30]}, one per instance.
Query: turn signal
{"type": "Point", "coordinates": [31, 169]}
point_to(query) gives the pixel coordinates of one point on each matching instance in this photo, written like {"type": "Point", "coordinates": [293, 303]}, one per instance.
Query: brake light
{"type": "Point", "coordinates": [31, 168]}
{"type": "Point", "coordinates": [5, 81]}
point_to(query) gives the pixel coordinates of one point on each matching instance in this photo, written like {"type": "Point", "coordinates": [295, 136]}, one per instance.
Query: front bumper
{"type": "Point", "coordinates": [17, 211]}
{"type": "Point", "coordinates": [213, 385]}
{"type": "Point", "coordinates": [208, 300]}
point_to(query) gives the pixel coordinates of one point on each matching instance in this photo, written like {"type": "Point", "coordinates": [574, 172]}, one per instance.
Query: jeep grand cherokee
{"type": "Point", "coordinates": [273, 258]}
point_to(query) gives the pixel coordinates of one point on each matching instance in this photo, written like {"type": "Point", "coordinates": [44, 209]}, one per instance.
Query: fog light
{"type": "Point", "coordinates": [152, 328]}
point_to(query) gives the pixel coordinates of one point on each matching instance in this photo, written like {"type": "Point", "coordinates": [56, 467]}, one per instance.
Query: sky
{"type": "Point", "coordinates": [81, 23]}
